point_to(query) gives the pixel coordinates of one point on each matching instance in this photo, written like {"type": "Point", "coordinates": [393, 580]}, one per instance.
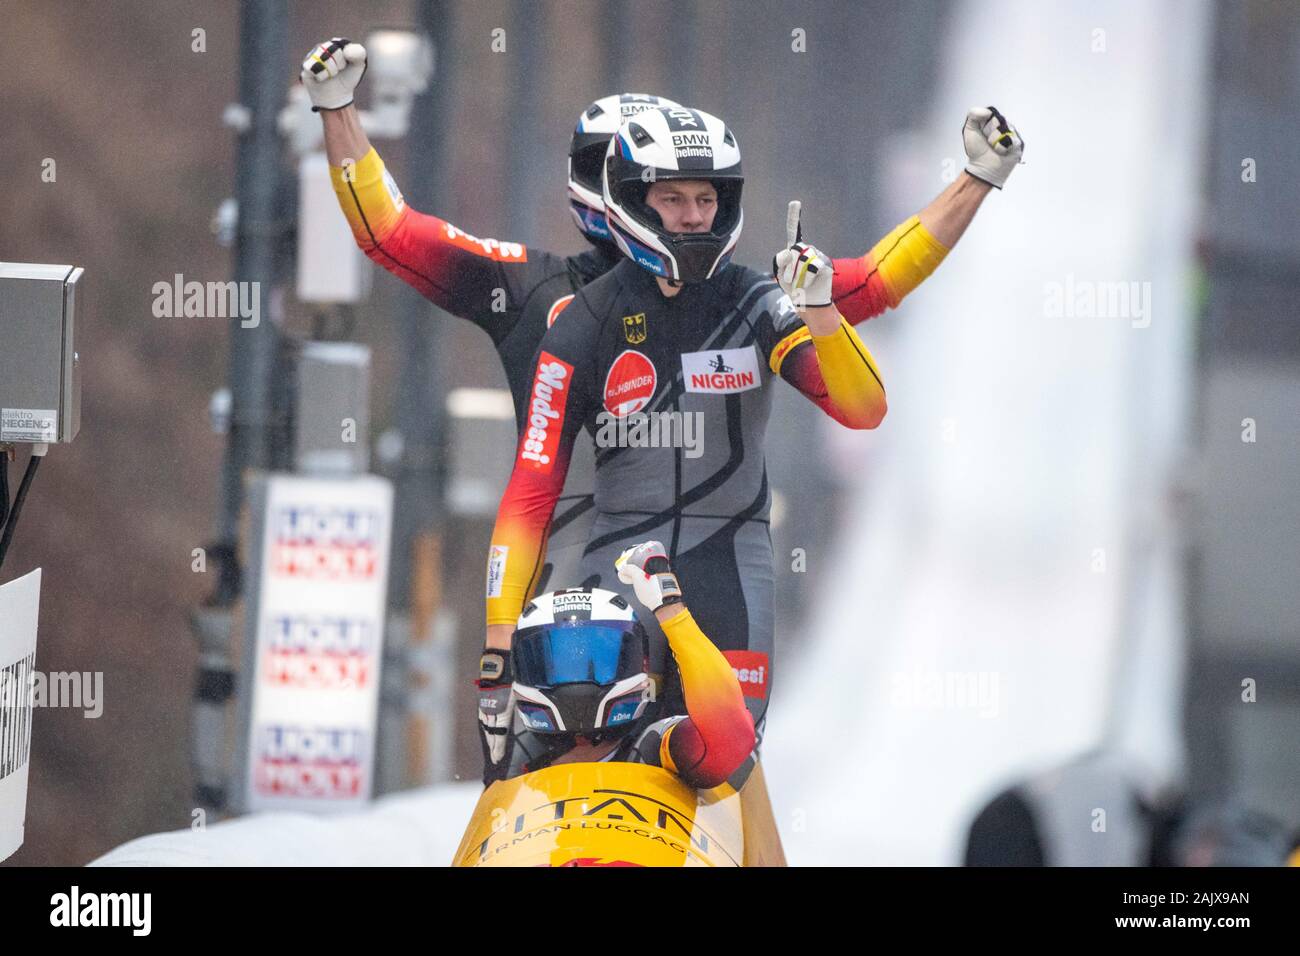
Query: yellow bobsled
{"type": "Point", "coordinates": [620, 814]}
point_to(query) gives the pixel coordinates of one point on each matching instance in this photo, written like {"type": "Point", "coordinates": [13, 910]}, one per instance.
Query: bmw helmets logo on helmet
{"type": "Point", "coordinates": [580, 659]}
{"type": "Point", "coordinates": [597, 124]}
{"type": "Point", "coordinates": [673, 142]}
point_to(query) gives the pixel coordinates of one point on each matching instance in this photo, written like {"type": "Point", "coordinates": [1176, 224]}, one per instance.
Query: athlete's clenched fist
{"type": "Point", "coordinates": [331, 72]}
{"type": "Point", "coordinates": [804, 273]}
{"type": "Point", "coordinates": [993, 145]}
{"type": "Point", "coordinates": [645, 567]}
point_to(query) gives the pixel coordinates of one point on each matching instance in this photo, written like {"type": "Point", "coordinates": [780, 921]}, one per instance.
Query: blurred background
{"type": "Point", "coordinates": [1060, 577]}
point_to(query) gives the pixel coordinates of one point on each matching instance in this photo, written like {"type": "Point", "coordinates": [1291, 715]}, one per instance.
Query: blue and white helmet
{"type": "Point", "coordinates": [587, 149]}
{"type": "Point", "coordinates": [674, 142]}
{"type": "Point", "coordinates": [579, 658]}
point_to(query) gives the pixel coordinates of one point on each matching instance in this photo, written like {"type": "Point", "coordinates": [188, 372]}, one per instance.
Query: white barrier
{"type": "Point", "coordinates": [20, 603]}
{"type": "Point", "coordinates": [418, 828]}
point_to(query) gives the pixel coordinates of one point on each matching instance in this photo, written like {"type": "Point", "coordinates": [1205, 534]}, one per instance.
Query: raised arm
{"type": "Point", "coordinates": [460, 273]}
{"type": "Point", "coordinates": [718, 733]}
{"type": "Point", "coordinates": [836, 373]}
{"type": "Point", "coordinates": [867, 286]}
{"type": "Point", "coordinates": [822, 356]}
{"type": "Point", "coordinates": [947, 217]}
{"type": "Point", "coordinates": [345, 140]}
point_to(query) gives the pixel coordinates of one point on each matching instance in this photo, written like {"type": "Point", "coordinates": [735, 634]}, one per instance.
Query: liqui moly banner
{"type": "Point", "coordinates": [319, 615]}
{"type": "Point", "coordinates": [19, 602]}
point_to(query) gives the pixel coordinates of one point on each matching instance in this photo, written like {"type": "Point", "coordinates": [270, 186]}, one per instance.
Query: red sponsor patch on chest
{"type": "Point", "coordinates": [552, 382]}
{"type": "Point", "coordinates": [629, 384]}
{"type": "Point", "coordinates": [751, 668]}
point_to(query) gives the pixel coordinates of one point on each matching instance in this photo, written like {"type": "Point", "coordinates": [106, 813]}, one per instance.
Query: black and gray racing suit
{"type": "Point", "coordinates": [674, 392]}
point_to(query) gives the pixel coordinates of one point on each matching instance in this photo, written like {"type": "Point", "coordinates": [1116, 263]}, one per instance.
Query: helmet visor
{"type": "Point", "coordinates": [587, 165]}
{"type": "Point", "coordinates": [557, 654]}
{"type": "Point", "coordinates": [587, 158]}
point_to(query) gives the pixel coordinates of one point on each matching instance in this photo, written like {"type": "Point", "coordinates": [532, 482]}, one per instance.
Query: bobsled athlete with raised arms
{"type": "Point", "coordinates": [462, 274]}
{"type": "Point", "coordinates": [677, 330]}
{"type": "Point", "coordinates": [577, 675]}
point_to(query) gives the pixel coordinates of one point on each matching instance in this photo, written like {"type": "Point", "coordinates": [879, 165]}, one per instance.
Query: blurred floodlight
{"type": "Point", "coordinates": [219, 409]}
{"type": "Point", "coordinates": [493, 404]}
{"type": "Point", "coordinates": [401, 62]}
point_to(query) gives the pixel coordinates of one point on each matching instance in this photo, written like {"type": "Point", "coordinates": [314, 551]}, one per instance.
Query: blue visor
{"type": "Point", "coordinates": [559, 654]}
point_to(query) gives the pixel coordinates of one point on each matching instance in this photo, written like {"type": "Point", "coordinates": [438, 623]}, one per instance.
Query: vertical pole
{"type": "Point", "coordinates": [407, 733]}
{"type": "Point", "coordinates": [259, 182]}
{"type": "Point", "coordinates": [526, 177]}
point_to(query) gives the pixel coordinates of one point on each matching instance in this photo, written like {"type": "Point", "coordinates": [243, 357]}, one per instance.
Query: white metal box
{"type": "Point", "coordinates": [40, 370]}
{"type": "Point", "coordinates": [330, 266]}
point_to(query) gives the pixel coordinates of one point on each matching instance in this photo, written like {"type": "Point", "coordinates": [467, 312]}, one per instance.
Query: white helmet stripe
{"type": "Point", "coordinates": [624, 687]}
{"type": "Point", "coordinates": [534, 696]}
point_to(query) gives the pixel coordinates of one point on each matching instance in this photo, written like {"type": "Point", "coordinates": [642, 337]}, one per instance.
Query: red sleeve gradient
{"type": "Point", "coordinates": [709, 745]}
{"type": "Point", "coordinates": [452, 269]}
{"type": "Point", "coordinates": [897, 264]}
{"type": "Point", "coordinates": [541, 463]}
{"type": "Point", "coordinates": [835, 372]}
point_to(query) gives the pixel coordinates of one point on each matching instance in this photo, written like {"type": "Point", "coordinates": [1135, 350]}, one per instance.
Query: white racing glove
{"type": "Point", "coordinates": [331, 72]}
{"type": "Point", "coordinates": [993, 145]}
{"type": "Point", "coordinates": [496, 709]}
{"type": "Point", "coordinates": [645, 568]}
{"type": "Point", "coordinates": [804, 273]}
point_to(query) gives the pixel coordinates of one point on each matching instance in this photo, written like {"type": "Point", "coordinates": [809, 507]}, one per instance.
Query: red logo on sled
{"type": "Point", "coordinates": [630, 384]}
{"type": "Point", "coordinates": [751, 669]}
{"type": "Point", "coordinates": [592, 861]}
